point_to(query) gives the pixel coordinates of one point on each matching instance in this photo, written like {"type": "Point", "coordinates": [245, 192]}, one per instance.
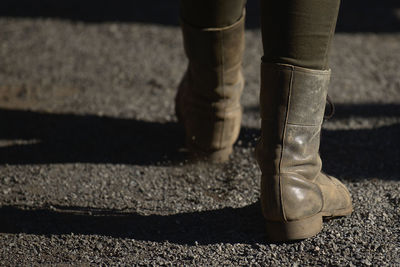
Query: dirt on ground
{"type": "Point", "coordinates": [93, 168]}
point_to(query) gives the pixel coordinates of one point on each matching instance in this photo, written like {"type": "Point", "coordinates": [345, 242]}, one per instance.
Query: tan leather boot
{"type": "Point", "coordinates": [295, 194]}
{"type": "Point", "coordinates": [208, 98]}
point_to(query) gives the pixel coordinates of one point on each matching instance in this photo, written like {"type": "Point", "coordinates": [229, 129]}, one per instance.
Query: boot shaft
{"type": "Point", "coordinates": [213, 48]}
{"type": "Point", "coordinates": [215, 58]}
{"type": "Point", "coordinates": [292, 104]}
{"type": "Point", "coordinates": [292, 101]}
{"type": "Point", "coordinates": [208, 99]}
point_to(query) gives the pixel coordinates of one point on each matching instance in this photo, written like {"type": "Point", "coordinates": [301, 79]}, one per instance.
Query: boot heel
{"type": "Point", "coordinates": [292, 230]}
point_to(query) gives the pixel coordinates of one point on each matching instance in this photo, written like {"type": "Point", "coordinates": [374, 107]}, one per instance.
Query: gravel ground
{"type": "Point", "coordinates": [92, 165]}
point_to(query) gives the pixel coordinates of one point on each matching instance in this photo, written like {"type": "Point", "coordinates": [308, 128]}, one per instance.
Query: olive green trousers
{"type": "Point", "coordinates": [295, 32]}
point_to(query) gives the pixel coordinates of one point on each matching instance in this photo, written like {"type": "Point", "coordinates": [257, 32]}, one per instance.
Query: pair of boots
{"type": "Point", "coordinates": [295, 194]}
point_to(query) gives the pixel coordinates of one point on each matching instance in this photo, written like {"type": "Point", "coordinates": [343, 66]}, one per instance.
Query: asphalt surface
{"type": "Point", "coordinates": [92, 165]}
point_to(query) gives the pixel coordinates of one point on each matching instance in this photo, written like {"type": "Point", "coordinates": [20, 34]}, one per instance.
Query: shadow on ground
{"type": "Point", "coordinates": [230, 225]}
{"type": "Point", "coordinates": [355, 15]}
{"type": "Point", "coordinates": [66, 138]}
{"type": "Point", "coordinates": [41, 138]}
{"type": "Point", "coordinates": [75, 138]}
{"type": "Point", "coordinates": [363, 153]}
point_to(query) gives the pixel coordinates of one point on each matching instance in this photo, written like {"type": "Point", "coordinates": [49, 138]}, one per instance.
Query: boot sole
{"type": "Point", "coordinates": [300, 229]}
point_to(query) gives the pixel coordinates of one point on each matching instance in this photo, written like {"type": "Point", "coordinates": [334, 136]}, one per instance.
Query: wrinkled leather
{"type": "Point", "coordinates": [208, 99]}
{"type": "Point", "coordinates": [292, 101]}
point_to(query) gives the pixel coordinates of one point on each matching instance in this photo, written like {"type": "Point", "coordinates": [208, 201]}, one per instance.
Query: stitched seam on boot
{"type": "Point", "coordinates": [222, 84]}
{"type": "Point", "coordinates": [283, 143]}
{"type": "Point", "coordinates": [300, 69]}
{"type": "Point", "coordinates": [322, 198]}
{"type": "Point", "coordinates": [300, 124]}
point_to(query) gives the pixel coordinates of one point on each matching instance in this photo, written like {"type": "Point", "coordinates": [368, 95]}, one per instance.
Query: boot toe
{"type": "Point", "coordinates": [346, 206]}
{"type": "Point", "coordinates": [337, 198]}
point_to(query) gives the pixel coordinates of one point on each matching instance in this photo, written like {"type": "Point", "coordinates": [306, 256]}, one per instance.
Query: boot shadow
{"type": "Point", "coordinates": [38, 138]}
{"type": "Point", "coordinates": [369, 153]}
{"type": "Point", "coordinates": [227, 225]}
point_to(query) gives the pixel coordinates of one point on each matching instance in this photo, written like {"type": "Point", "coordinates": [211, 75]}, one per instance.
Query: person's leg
{"type": "Point", "coordinates": [207, 103]}
{"type": "Point", "coordinates": [298, 32]}
{"type": "Point", "coordinates": [211, 13]}
{"type": "Point", "coordinates": [295, 194]}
